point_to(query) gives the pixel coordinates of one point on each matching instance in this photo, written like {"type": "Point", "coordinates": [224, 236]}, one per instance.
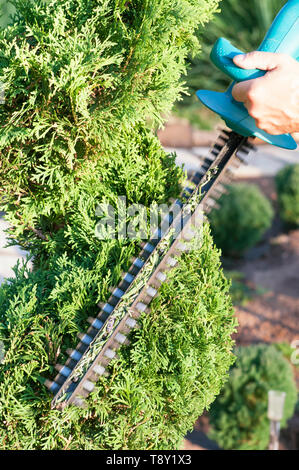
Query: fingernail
{"type": "Point", "coordinates": [240, 57]}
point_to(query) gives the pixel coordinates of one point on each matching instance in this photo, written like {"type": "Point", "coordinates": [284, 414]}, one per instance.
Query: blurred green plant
{"type": "Point", "coordinates": [287, 351]}
{"type": "Point", "coordinates": [287, 186]}
{"type": "Point", "coordinates": [6, 9]}
{"type": "Point", "coordinates": [241, 290]}
{"type": "Point", "coordinates": [244, 216]}
{"type": "Point", "coordinates": [198, 115]}
{"type": "Point", "coordinates": [239, 414]}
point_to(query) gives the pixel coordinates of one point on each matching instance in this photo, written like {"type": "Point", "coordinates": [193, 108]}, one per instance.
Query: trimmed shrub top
{"type": "Point", "coordinates": [81, 77]}
{"type": "Point", "coordinates": [287, 186]}
{"type": "Point", "coordinates": [244, 216]}
{"type": "Point", "coordinates": [239, 414]}
{"type": "Point", "coordinates": [6, 10]}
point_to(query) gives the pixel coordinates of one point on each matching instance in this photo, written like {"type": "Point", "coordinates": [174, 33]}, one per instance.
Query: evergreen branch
{"type": "Point", "coordinates": [37, 232]}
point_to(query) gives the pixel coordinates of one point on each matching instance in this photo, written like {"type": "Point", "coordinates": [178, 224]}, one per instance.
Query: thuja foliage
{"type": "Point", "coordinates": [83, 78]}
{"type": "Point", "coordinates": [287, 186]}
{"type": "Point", "coordinates": [239, 414]}
{"type": "Point", "coordinates": [86, 84]}
{"type": "Point", "coordinates": [244, 215]}
{"type": "Point", "coordinates": [172, 370]}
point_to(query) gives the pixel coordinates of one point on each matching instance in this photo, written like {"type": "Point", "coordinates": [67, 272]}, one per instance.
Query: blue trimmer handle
{"type": "Point", "coordinates": [282, 37]}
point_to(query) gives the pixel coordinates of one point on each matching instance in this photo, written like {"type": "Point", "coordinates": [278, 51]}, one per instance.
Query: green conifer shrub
{"type": "Point", "coordinates": [287, 186]}
{"type": "Point", "coordinates": [239, 414]}
{"type": "Point", "coordinates": [86, 84]}
{"type": "Point", "coordinates": [244, 216]}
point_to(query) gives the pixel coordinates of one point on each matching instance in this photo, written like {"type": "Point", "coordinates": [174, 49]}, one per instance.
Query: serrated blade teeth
{"type": "Point", "coordinates": [171, 261]}
{"type": "Point", "coordinates": [116, 333]}
{"type": "Point", "coordinates": [131, 322]}
{"type": "Point", "coordinates": [95, 322]}
{"type": "Point", "coordinates": [88, 386]}
{"type": "Point", "coordinates": [86, 339]}
{"type": "Point", "coordinates": [110, 353]}
{"type": "Point", "coordinates": [99, 370]}
{"type": "Point", "coordinates": [120, 338]}
{"type": "Point", "coordinates": [151, 291]}
{"type": "Point", "coordinates": [74, 354]}
{"type": "Point", "coordinates": [141, 307]}
{"type": "Point", "coordinates": [52, 386]}
{"type": "Point", "coordinates": [63, 370]}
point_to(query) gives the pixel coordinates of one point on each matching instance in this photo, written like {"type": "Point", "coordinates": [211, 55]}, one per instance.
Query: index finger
{"type": "Point", "coordinates": [240, 91]}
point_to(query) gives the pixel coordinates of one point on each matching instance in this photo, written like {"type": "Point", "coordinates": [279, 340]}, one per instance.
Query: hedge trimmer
{"type": "Point", "coordinates": [132, 297]}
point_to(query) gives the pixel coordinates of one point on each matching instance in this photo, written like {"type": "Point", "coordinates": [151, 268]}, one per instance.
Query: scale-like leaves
{"type": "Point", "coordinates": [87, 83]}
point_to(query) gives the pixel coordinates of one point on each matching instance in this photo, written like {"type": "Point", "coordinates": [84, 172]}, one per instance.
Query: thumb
{"type": "Point", "coordinates": [259, 60]}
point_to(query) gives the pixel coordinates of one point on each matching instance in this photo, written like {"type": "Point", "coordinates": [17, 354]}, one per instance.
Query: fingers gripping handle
{"type": "Point", "coordinates": [222, 56]}
{"type": "Point", "coordinates": [282, 37]}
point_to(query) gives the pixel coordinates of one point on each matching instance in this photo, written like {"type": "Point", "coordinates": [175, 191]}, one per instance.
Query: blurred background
{"type": "Point", "coordinates": [257, 229]}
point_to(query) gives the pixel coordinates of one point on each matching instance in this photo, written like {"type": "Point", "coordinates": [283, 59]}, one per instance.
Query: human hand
{"type": "Point", "coordinates": [272, 100]}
